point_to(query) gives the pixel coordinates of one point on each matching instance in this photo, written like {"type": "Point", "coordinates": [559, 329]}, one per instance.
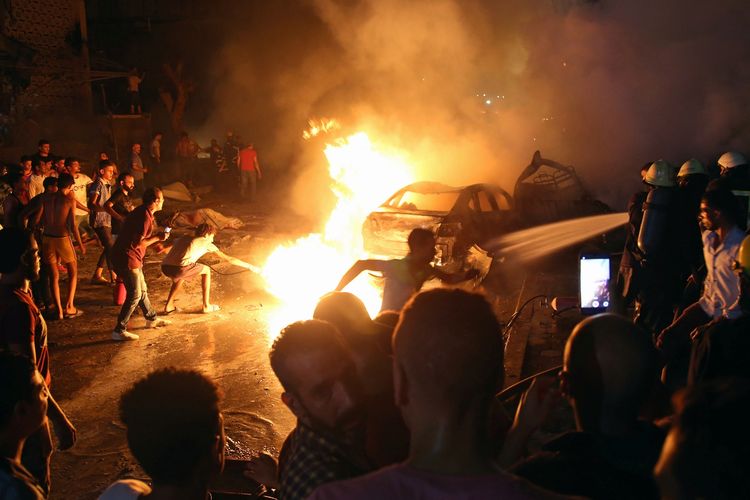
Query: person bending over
{"type": "Point", "coordinates": [182, 263]}
{"type": "Point", "coordinates": [175, 430]}
{"type": "Point", "coordinates": [405, 277]}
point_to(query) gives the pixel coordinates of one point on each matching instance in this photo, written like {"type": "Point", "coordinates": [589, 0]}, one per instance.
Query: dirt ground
{"type": "Point", "coordinates": [90, 370]}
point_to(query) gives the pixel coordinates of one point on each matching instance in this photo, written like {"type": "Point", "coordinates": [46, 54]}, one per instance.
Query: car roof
{"type": "Point", "coordinates": [427, 187]}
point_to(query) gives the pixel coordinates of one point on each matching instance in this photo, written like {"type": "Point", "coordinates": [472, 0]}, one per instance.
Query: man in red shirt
{"type": "Point", "coordinates": [249, 171]}
{"type": "Point", "coordinates": [127, 259]}
{"type": "Point", "coordinates": [23, 331]}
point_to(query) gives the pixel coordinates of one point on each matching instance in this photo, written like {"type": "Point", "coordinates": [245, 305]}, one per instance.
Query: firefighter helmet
{"type": "Point", "coordinates": [691, 167]}
{"type": "Point", "coordinates": [661, 174]}
{"type": "Point", "coordinates": [732, 159]}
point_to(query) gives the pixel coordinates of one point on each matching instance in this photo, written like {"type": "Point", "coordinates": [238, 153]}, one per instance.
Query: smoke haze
{"type": "Point", "coordinates": [468, 89]}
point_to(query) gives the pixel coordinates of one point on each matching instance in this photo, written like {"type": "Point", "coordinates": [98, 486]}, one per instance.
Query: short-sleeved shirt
{"type": "Point", "coordinates": [80, 187]}
{"type": "Point", "coordinates": [404, 481]}
{"type": "Point", "coordinates": [36, 185]}
{"type": "Point", "coordinates": [187, 250]}
{"type": "Point", "coordinates": [309, 459]}
{"type": "Point", "coordinates": [129, 250]}
{"type": "Point", "coordinates": [400, 284]}
{"type": "Point", "coordinates": [721, 289]}
{"type": "Point", "coordinates": [21, 322]}
{"type": "Point", "coordinates": [17, 483]}
{"type": "Point", "coordinates": [135, 159]}
{"type": "Point", "coordinates": [122, 203]}
{"type": "Point", "coordinates": [104, 192]}
{"type": "Point", "coordinates": [248, 158]}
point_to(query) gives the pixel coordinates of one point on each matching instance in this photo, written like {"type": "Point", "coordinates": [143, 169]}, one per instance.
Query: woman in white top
{"type": "Point", "coordinates": [181, 263]}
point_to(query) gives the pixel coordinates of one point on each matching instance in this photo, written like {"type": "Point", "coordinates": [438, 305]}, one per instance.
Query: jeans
{"type": "Point", "coordinates": [248, 179]}
{"type": "Point", "coordinates": [136, 295]}
{"type": "Point", "coordinates": [105, 238]}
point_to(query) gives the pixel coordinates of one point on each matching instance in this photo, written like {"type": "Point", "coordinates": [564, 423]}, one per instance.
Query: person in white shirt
{"type": "Point", "coordinates": [722, 237]}
{"type": "Point", "coordinates": [181, 263]}
{"type": "Point", "coordinates": [41, 171]}
{"type": "Point", "coordinates": [79, 190]}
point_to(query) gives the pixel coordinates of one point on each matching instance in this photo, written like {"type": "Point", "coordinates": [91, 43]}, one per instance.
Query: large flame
{"type": "Point", "coordinates": [363, 175]}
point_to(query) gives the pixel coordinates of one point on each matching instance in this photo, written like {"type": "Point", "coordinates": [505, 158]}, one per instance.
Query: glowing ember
{"type": "Point", "coordinates": [362, 177]}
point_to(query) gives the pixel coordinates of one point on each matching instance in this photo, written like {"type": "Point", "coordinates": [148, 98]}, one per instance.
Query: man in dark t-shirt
{"type": "Point", "coordinates": [121, 200]}
{"type": "Point", "coordinates": [127, 259]}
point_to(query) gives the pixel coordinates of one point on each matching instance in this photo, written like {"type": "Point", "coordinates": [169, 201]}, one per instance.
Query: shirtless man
{"type": "Point", "coordinates": [57, 214]}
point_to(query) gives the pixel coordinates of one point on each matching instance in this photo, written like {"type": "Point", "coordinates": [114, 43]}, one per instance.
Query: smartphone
{"type": "Point", "coordinates": [594, 274]}
{"type": "Point", "coordinates": [167, 229]}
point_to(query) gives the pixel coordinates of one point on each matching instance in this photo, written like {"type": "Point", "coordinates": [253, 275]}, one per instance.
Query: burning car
{"type": "Point", "coordinates": [464, 218]}
{"type": "Point", "coordinates": [460, 217]}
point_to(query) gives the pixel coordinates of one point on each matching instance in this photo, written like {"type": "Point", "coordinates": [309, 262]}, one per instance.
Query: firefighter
{"type": "Point", "coordinates": [630, 267]}
{"type": "Point", "coordinates": [735, 176]}
{"type": "Point", "coordinates": [658, 250]}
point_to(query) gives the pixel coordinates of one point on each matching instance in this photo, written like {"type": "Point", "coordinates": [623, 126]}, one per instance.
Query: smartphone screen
{"type": "Point", "coordinates": [594, 283]}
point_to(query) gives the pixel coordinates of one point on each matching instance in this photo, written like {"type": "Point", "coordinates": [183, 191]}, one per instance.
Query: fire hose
{"type": "Point", "coordinates": [232, 273]}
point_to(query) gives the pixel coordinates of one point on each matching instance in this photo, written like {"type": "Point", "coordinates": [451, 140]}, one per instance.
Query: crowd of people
{"type": "Point", "coordinates": [686, 234]}
{"type": "Point", "coordinates": [404, 405]}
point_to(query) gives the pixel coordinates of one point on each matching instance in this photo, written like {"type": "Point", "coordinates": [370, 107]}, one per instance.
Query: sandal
{"type": "Point", "coordinates": [74, 315]}
{"type": "Point", "coordinates": [99, 280]}
{"type": "Point", "coordinates": [167, 313]}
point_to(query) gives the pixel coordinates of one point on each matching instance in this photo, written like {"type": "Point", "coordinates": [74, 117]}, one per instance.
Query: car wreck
{"type": "Point", "coordinates": [464, 218]}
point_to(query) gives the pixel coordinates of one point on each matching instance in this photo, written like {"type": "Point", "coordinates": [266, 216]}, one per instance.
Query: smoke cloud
{"type": "Point", "coordinates": [468, 89]}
